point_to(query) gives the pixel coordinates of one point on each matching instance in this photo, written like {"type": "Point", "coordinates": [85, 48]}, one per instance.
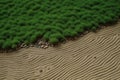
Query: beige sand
{"type": "Point", "coordinates": [96, 56]}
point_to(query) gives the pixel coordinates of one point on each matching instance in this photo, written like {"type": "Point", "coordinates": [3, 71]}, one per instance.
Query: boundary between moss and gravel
{"type": "Point", "coordinates": [44, 45]}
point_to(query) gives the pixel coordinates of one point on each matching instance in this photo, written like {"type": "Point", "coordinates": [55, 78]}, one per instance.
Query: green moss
{"type": "Point", "coordinates": [93, 29]}
{"type": "Point", "coordinates": [46, 36]}
{"type": "Point", "coordinates": [33, 38]}
{"type": "Point", "coordinates": [59, 36]}
{"type": "Point", "coordinates": [51, 20]}
{"type": "Point", "coordinates": [14, 46]}
{"type": "Point", "coordinates": [1, 43]}
{"type": "Point", "coordinates": [53, 40]}
{"type": "Point", "coordinates": [7, 44]}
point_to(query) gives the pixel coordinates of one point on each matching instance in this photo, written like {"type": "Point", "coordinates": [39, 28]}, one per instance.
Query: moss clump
{"type": "Point", "coordinates": [53, 40]}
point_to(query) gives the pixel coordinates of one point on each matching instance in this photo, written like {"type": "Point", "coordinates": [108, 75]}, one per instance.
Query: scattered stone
{"type": "Point", "coordinates": [40, 43]}
{"type": "Point", "coordinates": [81, 35]}
{"type": "Point", "coordinates": [45, 46]}
{"type": "Point", "coordinates": [31, 45]}
{"type": "Point", "coordinates": [27, 46]}
{"type": "Point", "coordinates": [87, 32]}
{"type": "Point", "coordinates": [23, 45]}
{"type": "Point", "coordinates": [42, 46]}
{"type": "Point", "coordinates": [46, 43]}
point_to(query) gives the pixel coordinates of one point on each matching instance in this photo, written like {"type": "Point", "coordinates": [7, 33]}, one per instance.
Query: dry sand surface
{"type": "Point", "coordinates": [96, 56]}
